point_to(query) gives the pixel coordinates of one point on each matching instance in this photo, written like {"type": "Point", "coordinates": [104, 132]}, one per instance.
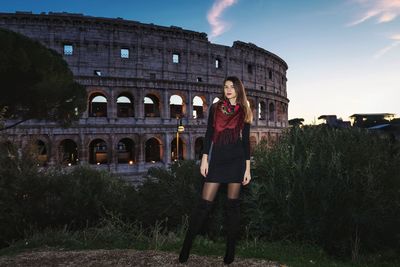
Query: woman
{"type": "Point", "coordinates": [226, 159]}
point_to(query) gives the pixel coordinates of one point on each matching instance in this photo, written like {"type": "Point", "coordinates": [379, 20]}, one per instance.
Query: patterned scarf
{"type": "Point", "coordinates": [228, 122]}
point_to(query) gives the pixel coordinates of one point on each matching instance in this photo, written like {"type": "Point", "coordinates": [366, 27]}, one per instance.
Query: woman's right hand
{"type": "Point", "coordinates": [204, 165]}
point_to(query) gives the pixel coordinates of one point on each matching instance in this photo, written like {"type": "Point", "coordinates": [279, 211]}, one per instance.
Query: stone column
{"type": "Point", "coordinates": [165, 107]}
{"type": "Point", "coordinates": [141, 152]}
{"type": "Point", "coordinates": [140, 146]}
{"type": "Point", "coordinates": [256, 119]}
{"type": "Point", "coordinates": [52, 151]}
{"type": "Point", "coordinates": [189, 105]}
{"type": "Point", "coordinates": [167, 148]}
{"type": "Point", "coordinates": [111, 105]}
{"type": "Point", "coordinates": [83, 154]}
{"type": "Point", "coordinates": [110, 152]}
{"type": "Point", "coordinates": [140, 103]}
{"type": "Point", "coordinates": [191, 149]}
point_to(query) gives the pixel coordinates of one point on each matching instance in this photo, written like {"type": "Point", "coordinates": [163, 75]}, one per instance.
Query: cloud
{"type": "Point", "coordinates": [214, 17]}
{"type": "Point", "coordinates": [396, 39]}
{"type": "Point", "coordinates": [382, 10]}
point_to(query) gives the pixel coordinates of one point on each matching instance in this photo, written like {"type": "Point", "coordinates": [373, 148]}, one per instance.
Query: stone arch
{"type": "Point", "coordinates": [42, 150]}
{"type": "Point", "coordinates": [125, 106]}
{"type": "Point", "coordinates": [182, 149]}
{"type": "Point", "coordinates": [199, 107]}
{"type": "Point", "coordinates": [68, 152]}
{"type": "Point", "coordinates": [98, 152]}
{"type": "Point", "coordinates": [98, 105]}
{"type": "Point", "coordinates": [262, 111]}
{"type": "Point", "coordinates": [151, 105]}
{"type": "Point", "coordinates": [252, 105]}
{"type": "Point", "coordinates": [198, 147]}
{"type": "Point", "coordinates": [126, 152]}
{"type": "Point", "coordinates": [271, 111]}
{"type": "Point", "coordinates": [177, 106]}
{"type": "Point", "coordinates": [153, 150]}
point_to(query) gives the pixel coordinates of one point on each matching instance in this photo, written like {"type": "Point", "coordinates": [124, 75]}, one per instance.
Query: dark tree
{"type": "Point", "coordinates": [296, 122]}
{"type": "Point", "coordinates": [36, 83]}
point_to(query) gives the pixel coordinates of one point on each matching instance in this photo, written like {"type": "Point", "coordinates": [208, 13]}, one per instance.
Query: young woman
{"type": "Point", "coordinates": [226, 159]}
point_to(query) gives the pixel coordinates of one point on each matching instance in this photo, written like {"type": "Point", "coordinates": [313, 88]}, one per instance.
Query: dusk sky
{"type": "Point", "coordinates": [343, 55]}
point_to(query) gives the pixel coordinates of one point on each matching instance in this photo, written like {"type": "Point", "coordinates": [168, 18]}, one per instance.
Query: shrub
{"type": "Point", "coordinates": [168, 193]}
{"type": "Point", "coordinates": [32, 200]}
{"type": "Point", "coordinates": [338, 188]}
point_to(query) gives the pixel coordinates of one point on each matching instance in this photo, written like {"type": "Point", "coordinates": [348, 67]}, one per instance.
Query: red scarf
{"type": "Point", "coordinates": [227, 127]}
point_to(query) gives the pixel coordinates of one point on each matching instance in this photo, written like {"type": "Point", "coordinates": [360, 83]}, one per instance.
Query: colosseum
{"type": "Point", "coordinates": [143, 82]}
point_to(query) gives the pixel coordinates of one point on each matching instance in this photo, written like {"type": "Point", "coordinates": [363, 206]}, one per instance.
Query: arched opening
{"type": "Point", "coordinates": [279, 109]}
{"type": "Point", "coordinates": [176, 106]}
{"type": "Point", "coordinates": [181, 147]}
{"type": "Point", "coordinates": [151, 106]}
{"type": "Point", "coordinates": [216, 99]}
{"type": "Point", "coordinates": [125, 106]}
{"type": "Point", "coordinates": [198, 147]}
{"type": "Point", "coordinates": [68, 152]}
{"type": "Point", "coordinates": [271, 112]}
{"type": "Point", "coordinates": [98, 105]}
{"type": "Point", "coordinates": [253, 143]}
{"type": "Point", "coordinates": [98, 152]}
{"type": "Point", "coordinates": [126, 151]}
{"type": "Point", "coordinates": [261, 111]}
{"type": "Point", "coordinates": [41, 150]}
{"type": "Point", "coordinates": [152, 150]}
{"type": "Point", "coordinates": [198, 104]}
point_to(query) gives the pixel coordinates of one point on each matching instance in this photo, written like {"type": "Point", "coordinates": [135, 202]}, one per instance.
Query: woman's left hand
{"type": "Point", "coordinates": [247, 177]}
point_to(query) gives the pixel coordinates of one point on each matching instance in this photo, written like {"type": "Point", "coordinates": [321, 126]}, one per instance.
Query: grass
{"type": "Point", "coordinates": [115, 234]}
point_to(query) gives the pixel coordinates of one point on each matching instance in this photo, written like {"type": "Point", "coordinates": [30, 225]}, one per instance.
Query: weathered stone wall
{"type": "Point", "coordinates": [149, 69]}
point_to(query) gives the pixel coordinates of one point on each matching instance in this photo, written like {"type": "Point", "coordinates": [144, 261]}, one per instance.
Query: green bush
{"type": "Point", "coordinates": [168, 193]}
{"type": "Point", "coordinates": [32, 200]}
{"type": "Point", "coordinates": [338, 188]}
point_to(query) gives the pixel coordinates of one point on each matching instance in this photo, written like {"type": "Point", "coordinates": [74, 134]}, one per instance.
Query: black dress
{"type": "Point", "coordinates": [226, 162]}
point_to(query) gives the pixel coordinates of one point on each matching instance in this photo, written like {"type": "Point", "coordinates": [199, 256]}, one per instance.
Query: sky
{"type": "Point", "coordinates": [343, 55]}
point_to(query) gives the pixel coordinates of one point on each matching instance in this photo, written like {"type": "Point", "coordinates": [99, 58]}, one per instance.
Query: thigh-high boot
{"type": "Point", "coordinates": [232, 228]}
{"type": "Point", "coordinates": [196, 221]}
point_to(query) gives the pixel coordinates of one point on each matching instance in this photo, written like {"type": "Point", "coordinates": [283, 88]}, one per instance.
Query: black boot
{"type": "Point", "coordinates": [232, 228]}
{"type": "Point", "coordinates": [196, 221]}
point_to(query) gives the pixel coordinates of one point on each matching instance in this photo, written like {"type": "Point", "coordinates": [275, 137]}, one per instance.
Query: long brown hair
{"type": "Point", "coordinates": [241, 97]}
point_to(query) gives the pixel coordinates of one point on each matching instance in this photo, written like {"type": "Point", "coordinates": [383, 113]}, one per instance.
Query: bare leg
{"type": "Point", "coordinates": [209, 191]}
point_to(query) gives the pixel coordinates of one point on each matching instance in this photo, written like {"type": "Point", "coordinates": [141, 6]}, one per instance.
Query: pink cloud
{"type": "Point", "coordinates": [214, 17]}
{"type": "Point", "coordinates": [382, 10]}
{"type": "Point", "coordinates": [395, 42]}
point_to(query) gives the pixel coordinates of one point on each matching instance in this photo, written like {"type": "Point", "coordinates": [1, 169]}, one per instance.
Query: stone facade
{"type": "Point", "coordinates": [132, 72]}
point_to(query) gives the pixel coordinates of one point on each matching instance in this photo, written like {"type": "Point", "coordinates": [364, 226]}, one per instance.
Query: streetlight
{"type": "Point", "coordinates": [179, 129]}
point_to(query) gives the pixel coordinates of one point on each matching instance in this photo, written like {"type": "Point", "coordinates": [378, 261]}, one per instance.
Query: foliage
{"type": "Point", "coordinates": [332, 188]}
{"type": "Point", "coordinates": [115, 233]}
{"type": "Point", "coordinates": [31, 199]}
{"type": "Point", "coordinates": [336, 188]}
{"type": "Point", "coordinates": [168, 193]}
{"type": "Point", "coordinates": [36, 82]}
{"type": "Point", "coordinates": [296, 122]}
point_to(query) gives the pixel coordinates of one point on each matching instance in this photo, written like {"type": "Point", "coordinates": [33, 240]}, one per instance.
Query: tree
{"type": "Point", "coordinates": [297, 122]}
{"type": "Point", "coordinates": [36, 82]}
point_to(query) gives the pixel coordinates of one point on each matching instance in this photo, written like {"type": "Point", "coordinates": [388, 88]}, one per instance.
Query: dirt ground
{"type": "Point", "coordinates": [119, 258]}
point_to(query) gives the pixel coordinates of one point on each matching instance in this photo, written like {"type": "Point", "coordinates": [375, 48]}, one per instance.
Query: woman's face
{"type": "Point", "coordinates": [229, 91]}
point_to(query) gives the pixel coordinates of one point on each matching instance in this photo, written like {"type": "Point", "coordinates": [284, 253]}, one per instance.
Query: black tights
{"type": "Point", "coordinates": [211, 189]}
